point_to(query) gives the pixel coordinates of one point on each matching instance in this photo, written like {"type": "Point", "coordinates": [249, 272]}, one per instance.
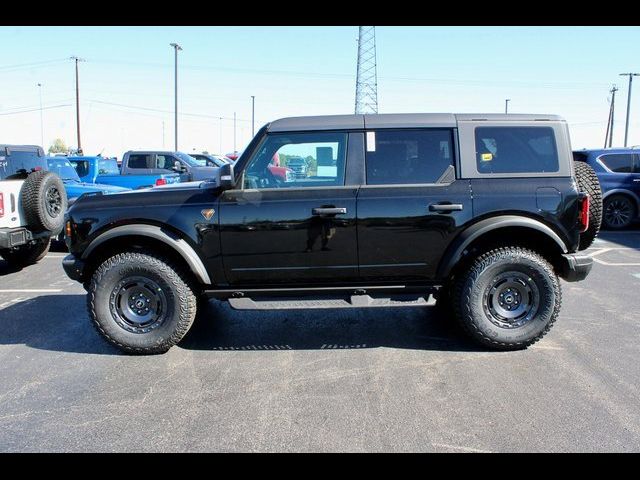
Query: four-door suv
{"type": "Point", "coordinates": [618, 170]}
{"type": "Point", "coordinates": [32, 204]}
{"type": "Point", "coordinates": [482, 212]}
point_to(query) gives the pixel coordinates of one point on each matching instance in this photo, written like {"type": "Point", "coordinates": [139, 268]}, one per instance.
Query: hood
{"type": "Point", "coordinates": [203, 173]}
{"type": "Point", "coordinates": [77, 189]}
{"type": "Point", "coordinates": [104, 188]}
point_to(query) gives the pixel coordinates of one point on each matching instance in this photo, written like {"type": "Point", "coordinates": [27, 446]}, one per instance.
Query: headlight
{"type": "Point", "coordinates": [289, 177]}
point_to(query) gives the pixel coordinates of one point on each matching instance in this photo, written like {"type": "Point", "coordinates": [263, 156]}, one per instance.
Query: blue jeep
{"type": "Point", "coordinates": [618, 170]}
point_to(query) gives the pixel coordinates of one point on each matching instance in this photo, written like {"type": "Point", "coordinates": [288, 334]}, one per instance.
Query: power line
{"type": "Point", "coordinates": [36, 109]}
{"type": "Point", "coordinates": [30, 65]}
{"type": "Point", "coordinates": [168, 111]}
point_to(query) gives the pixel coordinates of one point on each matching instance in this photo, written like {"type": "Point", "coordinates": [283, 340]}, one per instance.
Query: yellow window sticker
{"type": "Point", "coordinates": [486, 157]}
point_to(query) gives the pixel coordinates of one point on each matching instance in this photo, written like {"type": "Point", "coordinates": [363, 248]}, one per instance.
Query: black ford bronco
{"type": "Point", "coordinates": [479, 213]}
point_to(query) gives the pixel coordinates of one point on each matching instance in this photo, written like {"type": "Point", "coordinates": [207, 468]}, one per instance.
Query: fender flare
{"type": "Point", "coordinates": [458, 246]}
{"type": "Point", "coordinates": [169, 238]}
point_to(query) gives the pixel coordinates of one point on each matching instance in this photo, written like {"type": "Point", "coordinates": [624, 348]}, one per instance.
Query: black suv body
{"type": "Point", "coordinates": [482, 211]}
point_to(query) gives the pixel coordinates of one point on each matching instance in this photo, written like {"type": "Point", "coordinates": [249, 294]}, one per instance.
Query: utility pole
{"type": "Point", "coordinates": [176, 47]}
{"type": "Point", "coordinates": [608, 138]}
{"type": "Point", "coordinates": [234, 132]}
{"type": "Point", "coordinates": [626, 128]}
{"type": "Point", "coordinates": [506, 105]}
{"type": "Point", "coordinates": [253, 115]}
{"type": "Point", "coordinates": [41, 122]}
{"type": "Point", "coordinates": [220, 132]}
{"type": "Point", "coordinates": [76, 59]}
{"type": "Point", "coordinates": [163, 134]}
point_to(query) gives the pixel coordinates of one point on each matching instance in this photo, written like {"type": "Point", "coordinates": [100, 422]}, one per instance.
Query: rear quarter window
{"type": "Point", "coordinates": [516, 150]}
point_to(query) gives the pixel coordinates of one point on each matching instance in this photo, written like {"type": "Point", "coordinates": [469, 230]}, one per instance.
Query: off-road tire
{"type": "Point", "coordinates": [28, 254]}
{"type": "Point", "coordinates": [472, 309]}
{"type": "Point", "coordinates": [588, 182]}
{"type": "Point", "coordinates": [175, 287]}
{"type": "Point", "coordinates": [44, 201]}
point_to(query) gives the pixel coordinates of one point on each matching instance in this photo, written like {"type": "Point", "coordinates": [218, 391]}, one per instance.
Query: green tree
{"type": "Point", "coordinates": [58, 146]}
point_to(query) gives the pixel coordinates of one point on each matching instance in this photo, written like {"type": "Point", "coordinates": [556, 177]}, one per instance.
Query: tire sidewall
{"type": "Point", "coordinates": [101, 288]}
{"type": "Point", "coordinates": [475, 288]}
{"type": "Point", "coordinates": [49, 222]}
{"type": "Point", "coordinates": [610, 199]}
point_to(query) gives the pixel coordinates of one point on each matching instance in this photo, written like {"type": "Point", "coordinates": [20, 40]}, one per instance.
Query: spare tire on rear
{"type": "Point", "coordinates": [588, 183]}
{"type": "Point", "coordinates": [44, 201]}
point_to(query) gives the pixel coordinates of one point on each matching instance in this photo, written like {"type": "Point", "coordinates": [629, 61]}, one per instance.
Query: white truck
{"type": "Point", "coordinates": [32, 204]}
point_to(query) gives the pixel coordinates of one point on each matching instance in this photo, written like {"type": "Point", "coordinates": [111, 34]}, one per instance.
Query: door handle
{"type": "Point", "coordinates": [445, 207]}
{"type": "Point", "coordinates": [329, 211]}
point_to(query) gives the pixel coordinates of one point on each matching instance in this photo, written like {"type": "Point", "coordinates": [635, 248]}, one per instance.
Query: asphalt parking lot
{"type": "Point", "coordinates": [357, 380]}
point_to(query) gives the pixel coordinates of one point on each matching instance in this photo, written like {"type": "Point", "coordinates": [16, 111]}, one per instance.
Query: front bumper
{"type": "Point", "coordinates": [575, 266]}
{"type": "Point", "coordinates": [73, 267]}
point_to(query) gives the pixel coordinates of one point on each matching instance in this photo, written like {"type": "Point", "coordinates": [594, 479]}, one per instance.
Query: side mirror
{"type": "Point", "coordinates": [227, 177]}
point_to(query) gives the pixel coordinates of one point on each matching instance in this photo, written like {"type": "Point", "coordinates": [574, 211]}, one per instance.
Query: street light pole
{"type": "Point", "coordinates": [253, 115]}
{"type": "Point", "coordinates": [220, 133]}
{"type": "Point", "coordinates": [41, 121]}
{"type": "Point", "coordinates": [176, 47]}
{"type": "Point", "coordinates": [234, 132]}
{"type": "Point", "coordinates": [78, 102]}
{"type": "Point", "coordinates": [626, 128]}
{"type": "Point", "coordinates": [506, 105]}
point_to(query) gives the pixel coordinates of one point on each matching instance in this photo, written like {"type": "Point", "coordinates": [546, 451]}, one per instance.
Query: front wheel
{"type": "Point", "coordinates": [141, 303]}
{"type": "Point", "coordinates": [508, 298]}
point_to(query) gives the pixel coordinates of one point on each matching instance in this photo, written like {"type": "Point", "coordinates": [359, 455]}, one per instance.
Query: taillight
{"type": "Point", "coordinates": [583, 218]}
{"type": "Point", "coordinates": [67, 229]}
{"type": "Point", "coordinates": [1, 205]}
{"type": "Point", "coordinates": [160, 181]}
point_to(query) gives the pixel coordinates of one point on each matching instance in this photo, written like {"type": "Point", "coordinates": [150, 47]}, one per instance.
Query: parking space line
{"type": "Point", "coordinates": [462, 449]}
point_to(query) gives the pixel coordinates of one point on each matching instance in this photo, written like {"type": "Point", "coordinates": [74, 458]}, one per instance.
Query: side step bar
{"type": "Point", "coordinates": [355, 301]}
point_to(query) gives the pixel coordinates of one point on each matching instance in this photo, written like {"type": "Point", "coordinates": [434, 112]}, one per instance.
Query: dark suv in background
{"type": "Point", "coordinates": [618, 170]}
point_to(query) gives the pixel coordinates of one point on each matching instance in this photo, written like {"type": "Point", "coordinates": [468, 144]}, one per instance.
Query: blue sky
{"type": "Point", "coordinates": [127, 80]}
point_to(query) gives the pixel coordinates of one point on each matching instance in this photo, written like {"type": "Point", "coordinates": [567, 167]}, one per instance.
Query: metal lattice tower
{"type": "Point", "coordinates": [367, 78]}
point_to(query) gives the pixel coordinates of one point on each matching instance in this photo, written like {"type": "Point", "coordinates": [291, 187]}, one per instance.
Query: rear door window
{"type": "Point", "coordinates": [138, 161]}
{"type": "Point", "coordinates": [618, 162]}
{"type": "Point", "coordinates": [408, 156]}
{"type": "Point", "coordinates": [516, 150]}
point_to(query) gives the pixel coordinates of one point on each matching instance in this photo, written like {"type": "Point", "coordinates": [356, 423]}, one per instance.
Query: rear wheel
{"type": "Point", "coordinates": [141, 302]}
{"type": "Point", "coordinates": [508, 298]}
{"type": "Point", "coordinates": [619, 212]}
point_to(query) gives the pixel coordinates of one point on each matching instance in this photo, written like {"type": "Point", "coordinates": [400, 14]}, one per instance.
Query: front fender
{"type": "Point", "coordinates": [152, 231]}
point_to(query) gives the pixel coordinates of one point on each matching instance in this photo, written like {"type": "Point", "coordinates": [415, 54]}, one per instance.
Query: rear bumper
{"type": "Point", "coordinates": [73, 267]}
{"type": "Point", "coordinates": [575, 266]}
{"type": "Point", "coordinates": [14, 237]}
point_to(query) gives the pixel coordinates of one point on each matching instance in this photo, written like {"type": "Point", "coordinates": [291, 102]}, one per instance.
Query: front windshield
{"type": "Point", "coordinates": [189, 160]}
{"type": "Point", "coordinates": [63, 168]}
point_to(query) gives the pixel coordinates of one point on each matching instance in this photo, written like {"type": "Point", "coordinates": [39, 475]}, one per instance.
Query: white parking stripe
{"type": "Point", "coordinates": [33, 290]}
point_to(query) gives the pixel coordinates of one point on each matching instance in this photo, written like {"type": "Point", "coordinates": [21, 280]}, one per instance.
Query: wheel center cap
{"type": "Point", "coordinates": [139, 303]}
{"type": "Point", "coordinates": [508, 299]}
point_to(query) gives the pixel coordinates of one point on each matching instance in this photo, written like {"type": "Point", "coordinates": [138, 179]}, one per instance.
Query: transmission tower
{"type": "Point", "coordinates": [366, 79]}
